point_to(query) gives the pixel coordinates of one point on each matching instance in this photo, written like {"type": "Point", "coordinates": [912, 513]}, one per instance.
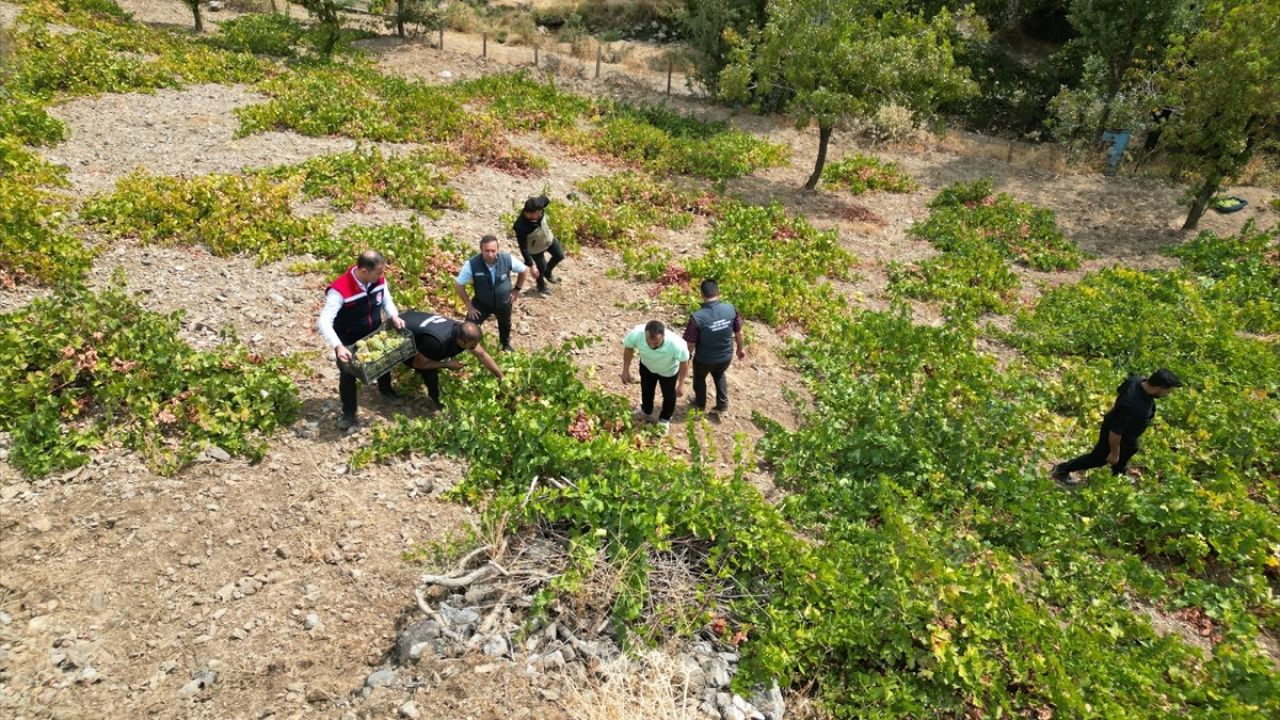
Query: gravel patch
{"type": "Point", "coordinates": [8, 14]}
{"type": "Point", "coordinates": [171, 132]}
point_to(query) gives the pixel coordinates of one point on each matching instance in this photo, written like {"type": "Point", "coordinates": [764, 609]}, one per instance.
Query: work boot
{"type": "Point", "coordinates": [1062, 477]}
{"type": "Point", "coordinates": [346, 421]}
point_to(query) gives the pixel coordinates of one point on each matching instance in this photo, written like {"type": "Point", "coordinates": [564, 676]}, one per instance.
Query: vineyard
{"type": "Point", "coordinates": [875, 528]}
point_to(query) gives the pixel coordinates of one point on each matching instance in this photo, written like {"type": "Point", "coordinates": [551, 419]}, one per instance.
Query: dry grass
{"type": "Point", "coordinates": [654, 686]}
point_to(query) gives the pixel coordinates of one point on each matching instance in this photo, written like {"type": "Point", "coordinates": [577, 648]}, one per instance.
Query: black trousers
{"type": "Point", "coordinates": [717, 372]}
{"type": "Point", "coordinates": [544, 265]}
{"type": "Point", "coordinates": [1097, 457]}
{"type": "Point", "coordinates": [503, 313]}
{"type": "Point", "coordinates": [431, 378]}
{"type": "Point", "coordinates": [347, 390]}
{"type": "Point", "coordinates": [649, 382]}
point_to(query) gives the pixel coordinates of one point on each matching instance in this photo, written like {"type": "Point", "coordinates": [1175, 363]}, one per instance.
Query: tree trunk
{"type": "Point", "coordinates": [824, 139]}
{"type": "Point", "coordinates": [1201, 201]}
{"type": "Point", "coordinates": [195, 10]}
{"type": "Point", "coordinates": [400, 19]}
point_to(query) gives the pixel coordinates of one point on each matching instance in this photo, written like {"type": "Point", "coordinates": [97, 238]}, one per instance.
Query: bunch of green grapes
{"type": "Point", "coordinates": [376, 345]}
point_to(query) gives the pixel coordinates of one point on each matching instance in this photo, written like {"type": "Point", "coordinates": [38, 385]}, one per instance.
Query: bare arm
{"type": "Point", "coordinates": [680, 376]}
{"type": "Point", "coordinates": [627, 354]}
{"type": "Point", "coordinates": [461, 291]}
{"type": "Point", "coordinates": [515, 291]}
{"type": "Point", "coordinates": [1113, 442]}
{"type": "Point", "coordinates": [742, 345]}
{"type": "Point", "coordinates": [487, 361]}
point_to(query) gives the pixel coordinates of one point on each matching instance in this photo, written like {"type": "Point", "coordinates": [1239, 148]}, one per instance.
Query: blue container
{"type": "Point", "coordinates": [1119, 140]}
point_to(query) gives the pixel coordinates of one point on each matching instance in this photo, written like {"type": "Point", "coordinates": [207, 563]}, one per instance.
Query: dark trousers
{"type": "Point", "coordinates": [347, 390]}
{"type": "Point", "coordinates": [431, 378]}
{"type": "Point", "coordinates": [700, 383]}
{"type": "Point", "coordinates": [649, 382]}
{"type": "Point", "coordinates": [1097, 457]}
{"type": "Point", "coordinates": [546, 266]}
{"type": "Point", "coordinates": [503, 313]}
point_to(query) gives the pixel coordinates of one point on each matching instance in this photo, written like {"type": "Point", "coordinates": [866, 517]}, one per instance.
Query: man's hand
{"type": "Point", "coordinates": [1113, 458]}
{"type": "Point", "coordinates": [626, 376]}
{"type": "Point", "coordinates": [472, 313]}
{"type": "Point", "coordinates": [515, 295]}
{"type": "Point", "coordinates": [453, 365]}
{"type": "Point", "coordinates": [397, 322]}
{"type": "Point", "coordinates": [533, 271]}
{"type": "Point", "coordinates": [742, 353]}
{"type": "Point", "coordinates": [342, 353]}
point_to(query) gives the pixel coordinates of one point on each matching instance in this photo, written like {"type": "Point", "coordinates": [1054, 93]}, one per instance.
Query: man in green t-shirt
{"type": "Point", "coordinates": [664, 360]}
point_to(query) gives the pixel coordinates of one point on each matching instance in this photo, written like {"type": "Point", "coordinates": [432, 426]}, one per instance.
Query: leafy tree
{"type": "Point", "coordinates": [404, 12]}
{"type": "Point", "coordinates": [328, 14]}
{"type": "Point", "coordinates": [1224, 79]}
{"type": "Point", "coordinates": [195, 10]}
{"type": "Point", "coordinates": [1120, 34]}
{"type": "Point", "coordinates": [712, 27]}
{"type": "Point", "coordinates": [845, 58]}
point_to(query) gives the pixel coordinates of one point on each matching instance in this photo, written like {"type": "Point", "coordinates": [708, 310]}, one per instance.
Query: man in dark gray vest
{"type": "Point", "coordinates": [489, 272]}
{"type": "Point", "coordinates": [713, 332]}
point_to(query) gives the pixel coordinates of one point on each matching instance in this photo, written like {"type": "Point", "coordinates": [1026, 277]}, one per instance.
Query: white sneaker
{"type": "Point", "coordinates": [640, 416]}
{"type": "Point", "coordinates": [664, 426]}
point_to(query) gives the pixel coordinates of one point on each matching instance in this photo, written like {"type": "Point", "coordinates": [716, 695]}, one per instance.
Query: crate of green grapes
{"type": "Point", "coordinates": [377, 354]}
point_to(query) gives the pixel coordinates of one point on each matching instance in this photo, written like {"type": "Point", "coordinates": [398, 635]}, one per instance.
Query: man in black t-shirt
{"type": "Point", "coordinates": [439, 340]}
{"type": "Point", "coordinates": [536, 241]}
{"type": "Point", "coordinates": [1129, 417]}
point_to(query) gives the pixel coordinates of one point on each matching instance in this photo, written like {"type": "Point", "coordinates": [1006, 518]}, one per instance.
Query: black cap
{"type": "Point", "coordinates": [710, 288]}
{"type": "Point", "coordinates": [1164, 378]}
{"type": "Point", "coordinates": [536, 203]}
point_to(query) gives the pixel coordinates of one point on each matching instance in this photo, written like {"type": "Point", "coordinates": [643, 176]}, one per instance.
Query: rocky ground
{"type": "Point", "coordinates": [277, 589]}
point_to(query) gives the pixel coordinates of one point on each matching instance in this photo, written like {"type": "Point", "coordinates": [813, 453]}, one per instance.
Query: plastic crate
{"type": "Point", "coordinates": [368, 372]}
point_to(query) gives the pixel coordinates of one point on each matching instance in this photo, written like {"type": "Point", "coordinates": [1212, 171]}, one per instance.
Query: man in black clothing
{"type": "Point", "coordinates": [712, 333]}
{"type": "Point", "coordinates": [439, 340]}
{"type": "Point", "coordinates": [536, 241]}
{"type": "Point", "coordinates": [1129, 417]}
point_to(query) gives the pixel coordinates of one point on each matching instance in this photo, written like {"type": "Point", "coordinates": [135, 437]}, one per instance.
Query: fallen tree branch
{"type": "Point", "coordinates": [453, 583]}
{"type": "Point", "coordinates": [426, 608]}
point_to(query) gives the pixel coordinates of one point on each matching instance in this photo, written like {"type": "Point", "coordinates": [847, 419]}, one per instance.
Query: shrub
{"type": "Point", "coordinates": [522, 102]}
{"type": "Point", "coordinates": [415, 180]}
{"type": "Point", "coordinates": [356, 102]}
{"type": "Point", "coordinates": [969, 283]}
{"type": "Point", "coordinates": [890, 123]}
{"type": "Point", "coordinates": [261, 34]}
{"type": "Point", "coordinates": [1240, 272]}
{"type": "Point", "coordinates": [968, 213]}
{"type": "Point", "coordinates": [34, 245]}
{"type": "Point", "coordinates": [420, 269]}
{"type": "Point", "coordinates": [114, 56]}
{"type": "Point", "coordinates": [228, 214]}
{"type": "Point", "coordinates": [623, 210]}
{"type": "Point", "coordinates": [85, 369]}
{"type": "Point", "coordinates": [24, 118]}
{"type": "Point", "coordinates": [859, 174]}
{"type": "Point", "coordinates": [771, 264]}
{"type": "Point", "coordinates": [664, 142]}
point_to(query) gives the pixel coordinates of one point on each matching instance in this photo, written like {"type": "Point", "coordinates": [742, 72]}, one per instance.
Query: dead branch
{"type": "Point", "coordinates": [454, 583]}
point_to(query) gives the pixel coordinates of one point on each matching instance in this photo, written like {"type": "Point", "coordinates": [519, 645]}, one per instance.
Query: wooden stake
{"type": "Point", "coordinates": [484, 45]}
{"type": "Point", "coordinates": [441, 37]}
{"type": "Point", "coordinates": [599, 55]}
{"type": "Point", "coordinates": [671, 65]}
{"type": "Point", "coordinates": [535, 56]}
